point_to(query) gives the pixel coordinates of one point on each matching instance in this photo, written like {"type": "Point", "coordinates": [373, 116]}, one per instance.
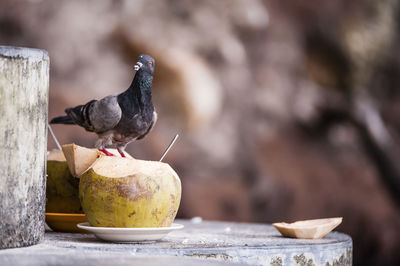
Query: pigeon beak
{"type": "Point", "coordinates": [137, 66]}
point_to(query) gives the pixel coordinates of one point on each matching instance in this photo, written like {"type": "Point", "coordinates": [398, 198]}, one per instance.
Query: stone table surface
{"type": "Point", "coordinates": [201, 243]}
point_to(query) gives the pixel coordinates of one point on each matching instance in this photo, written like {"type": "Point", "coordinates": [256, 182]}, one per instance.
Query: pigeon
{"type": "Point", "coordinates": [118, 119]}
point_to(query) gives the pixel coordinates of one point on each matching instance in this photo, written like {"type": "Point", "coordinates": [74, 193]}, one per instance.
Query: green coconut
{"type": "Point", "coordinates": [124, 192]}
{"type": "Point", "coordinates": [62, 189]}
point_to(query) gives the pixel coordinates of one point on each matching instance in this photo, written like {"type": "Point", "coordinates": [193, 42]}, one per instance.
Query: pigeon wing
{"type": "Point", "coordinates": [105, 114]}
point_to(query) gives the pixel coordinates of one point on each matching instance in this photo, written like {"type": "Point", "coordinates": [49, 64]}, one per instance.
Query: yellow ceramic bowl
{"type": "Point", "coordinates": [65, 222]}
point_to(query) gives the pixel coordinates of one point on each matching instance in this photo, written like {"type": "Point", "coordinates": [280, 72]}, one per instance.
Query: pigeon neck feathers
{"type": "Point", "coordinates": [138, 96]}
{"type": "Point", "coordinates": [141, 87]}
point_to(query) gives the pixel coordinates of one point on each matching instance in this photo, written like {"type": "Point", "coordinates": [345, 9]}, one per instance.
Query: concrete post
{"type": "Point", "coordinates": [24, 84]}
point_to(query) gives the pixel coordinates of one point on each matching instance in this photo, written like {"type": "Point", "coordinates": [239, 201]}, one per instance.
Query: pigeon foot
{"type": "Point", "coordinates": [106, 152]}
{"type": "Point", "coordinates": [121, 151]}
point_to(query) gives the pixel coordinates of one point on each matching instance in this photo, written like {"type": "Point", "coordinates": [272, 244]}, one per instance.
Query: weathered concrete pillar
{"type": "Point", "coordinates": [24, 84]}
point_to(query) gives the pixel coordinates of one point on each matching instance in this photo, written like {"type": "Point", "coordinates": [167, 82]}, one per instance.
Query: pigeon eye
{"type": "Point", "coordinates": [150, 64]}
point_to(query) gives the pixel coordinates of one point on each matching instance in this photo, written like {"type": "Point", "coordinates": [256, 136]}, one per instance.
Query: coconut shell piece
{"type": "Point", "coordinates": [80, 159]}
{"type": "Point", "coordinates": [311, 229]}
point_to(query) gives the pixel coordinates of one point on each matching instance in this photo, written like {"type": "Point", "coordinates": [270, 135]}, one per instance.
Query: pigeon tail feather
{"type": "Point", "coordinates": [62, 120]}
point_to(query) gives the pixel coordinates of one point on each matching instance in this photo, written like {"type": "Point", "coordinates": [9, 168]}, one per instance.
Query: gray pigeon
{"type": "Point", "coordinates": [118, 119]}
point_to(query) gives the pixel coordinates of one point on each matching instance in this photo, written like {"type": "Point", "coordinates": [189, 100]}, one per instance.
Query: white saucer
{"type": "Point", "coordinates": [121, 235]}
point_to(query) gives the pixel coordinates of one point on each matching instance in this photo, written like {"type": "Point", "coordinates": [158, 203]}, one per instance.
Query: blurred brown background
{"type": "Point", "coordinates": [287, 110]}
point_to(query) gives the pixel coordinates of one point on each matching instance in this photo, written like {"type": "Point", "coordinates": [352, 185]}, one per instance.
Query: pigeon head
{"type": "Point", "coordinates": [145, 63]}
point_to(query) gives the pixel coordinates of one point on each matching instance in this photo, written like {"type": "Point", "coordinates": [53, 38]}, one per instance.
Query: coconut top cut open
{"type": "Point", "coordinates": [55, 155]}
{"type": "Point", "coordinates": [80, 159]}
{"type": "Point", "coordinates": [114, 167]}
{"type": "Point", "coordinates": [312, 229]}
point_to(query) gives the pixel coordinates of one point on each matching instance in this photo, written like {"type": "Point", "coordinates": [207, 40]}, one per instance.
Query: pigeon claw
{"type": "Point", "coordinates": [122, 154]}
{"type": "Point", "coordinates": [106, 152]}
